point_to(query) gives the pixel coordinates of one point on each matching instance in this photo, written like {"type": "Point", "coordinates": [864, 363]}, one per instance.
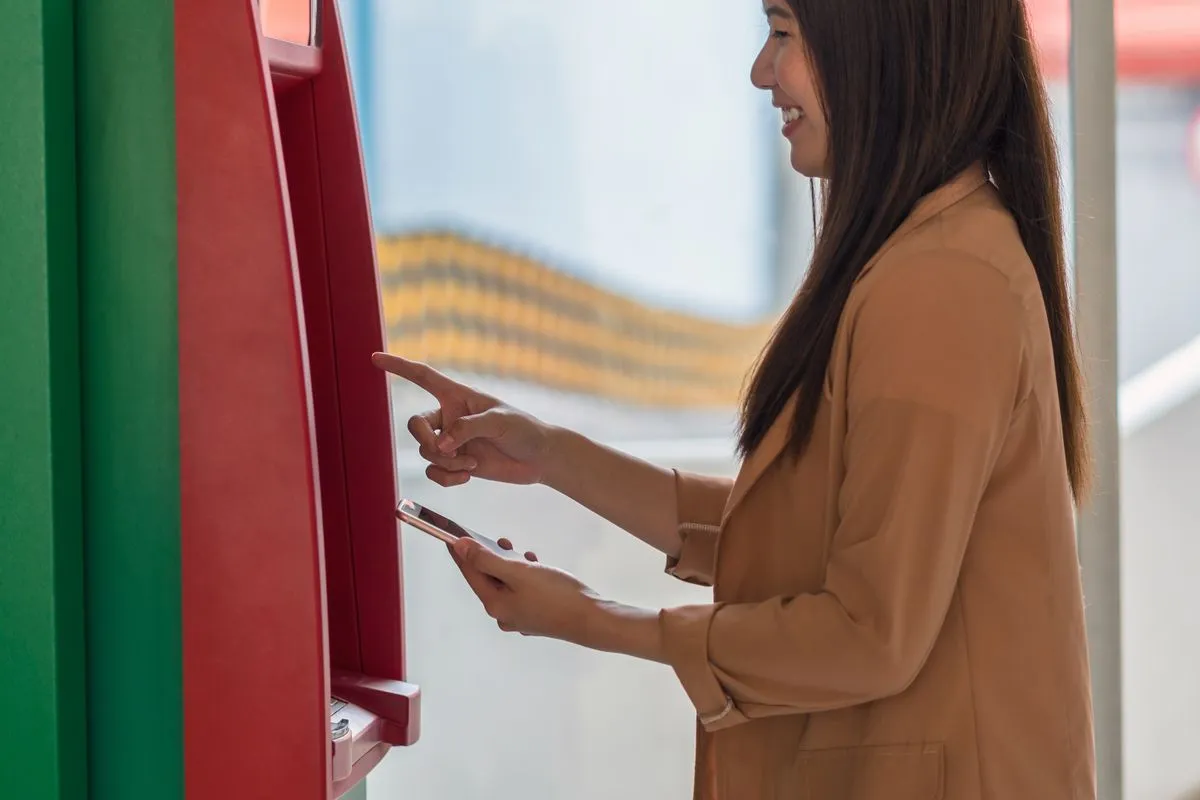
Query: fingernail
{"type": "Point", "coordinates": [446, 444]}
{"type": "Point", "coordinates": [471, 464]}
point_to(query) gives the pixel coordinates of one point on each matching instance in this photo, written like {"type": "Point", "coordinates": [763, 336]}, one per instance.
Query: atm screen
{"type": "Point", "coordinates": [294, 21]}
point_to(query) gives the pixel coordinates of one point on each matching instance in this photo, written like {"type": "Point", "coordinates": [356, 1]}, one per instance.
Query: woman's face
{"type": "Point", "coordinates": [783, 69]}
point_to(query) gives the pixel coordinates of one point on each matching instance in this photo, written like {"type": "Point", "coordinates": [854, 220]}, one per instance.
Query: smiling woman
{"type": "Point", "coordinates": [913, 438]}
{"type": "Point", "coordinates": [785, 69]}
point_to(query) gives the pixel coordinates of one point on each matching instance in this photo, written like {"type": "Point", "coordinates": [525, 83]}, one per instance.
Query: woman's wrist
{"type": "Point", "coordinates": [554, 467]}
{"type": "Point", "coordinates": [617, 628]}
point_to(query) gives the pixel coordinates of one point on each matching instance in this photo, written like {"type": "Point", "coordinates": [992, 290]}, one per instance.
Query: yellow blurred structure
{"type": "Point", "coordinates": [466, 305]}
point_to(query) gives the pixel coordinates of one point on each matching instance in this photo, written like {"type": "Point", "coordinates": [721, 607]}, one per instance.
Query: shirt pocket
{"type": "Point", "coordinates": [885, 772]}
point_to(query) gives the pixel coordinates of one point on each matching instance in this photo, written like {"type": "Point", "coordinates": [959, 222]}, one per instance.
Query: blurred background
{"type": "Point", "coordinates": [587, 209]}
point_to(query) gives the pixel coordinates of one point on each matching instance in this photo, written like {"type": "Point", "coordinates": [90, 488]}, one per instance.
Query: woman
{"type": "Point", "coordinates": [898, 609]}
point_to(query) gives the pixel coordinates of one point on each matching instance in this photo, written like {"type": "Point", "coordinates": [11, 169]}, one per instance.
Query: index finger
{"type": "Point", "coordinates": [415, 372]}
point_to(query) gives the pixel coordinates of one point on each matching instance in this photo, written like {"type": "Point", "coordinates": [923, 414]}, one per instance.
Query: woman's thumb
{"type": "Point", "coordinates": [480, 558]}
{"type": "Point", "coordinates": [489, 424]}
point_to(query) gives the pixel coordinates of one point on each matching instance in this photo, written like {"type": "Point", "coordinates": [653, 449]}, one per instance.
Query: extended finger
{"type": "Point", "coordinates": [419, 374]}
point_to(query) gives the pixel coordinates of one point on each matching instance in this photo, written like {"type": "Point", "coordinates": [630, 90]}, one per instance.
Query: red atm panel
{"type": "Point", "coordinates": [294, 676]}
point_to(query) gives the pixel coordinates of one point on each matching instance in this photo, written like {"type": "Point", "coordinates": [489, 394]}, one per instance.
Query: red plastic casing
{"type": "Point", "coordinates": [292, 587]}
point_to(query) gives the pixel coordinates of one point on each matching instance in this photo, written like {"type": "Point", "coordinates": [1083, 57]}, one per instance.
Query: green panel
{"type": "Point", "coordinates": [130, 398]}
{"type": "Point", "coordinates": [359, 792]}
{"type": "Point", "coordinates": [42, 745]}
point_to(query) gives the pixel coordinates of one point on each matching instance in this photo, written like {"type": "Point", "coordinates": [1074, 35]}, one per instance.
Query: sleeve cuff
{"type": "Point", "coordinates": [697, 556]}
{"type": "Point", "coordinates": [685, 643]}
{"type": "Point", "coordinates": [700, 502]}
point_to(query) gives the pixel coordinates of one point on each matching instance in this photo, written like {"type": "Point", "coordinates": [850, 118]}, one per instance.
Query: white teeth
{"type": "Point", "coordinates": [791, 114]}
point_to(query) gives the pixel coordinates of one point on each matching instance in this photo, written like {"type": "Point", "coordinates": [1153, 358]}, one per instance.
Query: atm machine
{"type": "Point", "coordinates": [201, 592]}
{"type": "Point", "coordinates": [294, 682]}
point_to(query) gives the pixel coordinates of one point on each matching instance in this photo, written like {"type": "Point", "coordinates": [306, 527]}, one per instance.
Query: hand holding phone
{"type": "Point", "coordinates": [447, 530]}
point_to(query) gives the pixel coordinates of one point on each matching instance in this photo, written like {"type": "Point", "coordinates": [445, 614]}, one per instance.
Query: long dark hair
{"type": "Point", "coordinates": [915, 91]}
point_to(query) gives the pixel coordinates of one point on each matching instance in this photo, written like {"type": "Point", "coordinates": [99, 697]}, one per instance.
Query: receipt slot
{"type": "Point", "coordinates": [293, 629]}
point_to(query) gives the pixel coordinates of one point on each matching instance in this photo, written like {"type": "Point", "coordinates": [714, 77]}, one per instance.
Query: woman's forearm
{"type": "Point", "coordinates": [631, 631]}
{"type": "Point", "coordinates": [635, 495]}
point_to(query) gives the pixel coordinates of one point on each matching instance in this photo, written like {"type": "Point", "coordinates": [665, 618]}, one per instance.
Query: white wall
{"type": "Point", "coordinates": [1161, 606]}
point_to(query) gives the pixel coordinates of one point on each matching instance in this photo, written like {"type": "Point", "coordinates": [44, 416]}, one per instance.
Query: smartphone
{"type": "Point", "coordinates": [444, 528]}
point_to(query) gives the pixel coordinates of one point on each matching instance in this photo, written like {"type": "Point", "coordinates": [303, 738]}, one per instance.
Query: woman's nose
{"type": "Point", "coordinates": [761, 71]}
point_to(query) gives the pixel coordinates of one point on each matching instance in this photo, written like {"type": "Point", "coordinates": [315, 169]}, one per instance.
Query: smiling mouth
{"type": "Point", "coordinates": [791, 115]}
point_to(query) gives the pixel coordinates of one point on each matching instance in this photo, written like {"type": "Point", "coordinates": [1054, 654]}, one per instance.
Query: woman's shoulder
{"type": "Point", "coordinates": [953, 306]}
{"type": "Point", "coordinates": [970, 252]}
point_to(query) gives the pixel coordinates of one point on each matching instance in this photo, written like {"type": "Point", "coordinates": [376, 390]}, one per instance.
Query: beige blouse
{"type": "Point", "coordinates": [898, 613]}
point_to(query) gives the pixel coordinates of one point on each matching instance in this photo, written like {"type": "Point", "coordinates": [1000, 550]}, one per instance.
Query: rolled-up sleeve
{"type": "Point", "coordinates": [936, 360]}
{"type": "Point", "coordinates": [699, 503]}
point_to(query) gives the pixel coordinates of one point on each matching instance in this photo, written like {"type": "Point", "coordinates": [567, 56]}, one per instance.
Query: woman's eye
{"type": "Point", "coordinates": [778, 34]}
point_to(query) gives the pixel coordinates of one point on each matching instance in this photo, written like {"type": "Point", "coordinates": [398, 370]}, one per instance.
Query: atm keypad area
{"type": "Point", "coordinates": [353, 733]}
{"type": "Point", "coordinates": [339, 726]}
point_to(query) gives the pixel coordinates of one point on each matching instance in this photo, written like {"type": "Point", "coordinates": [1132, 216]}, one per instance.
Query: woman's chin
{"type": "Point", "coordinates": [808, 164]}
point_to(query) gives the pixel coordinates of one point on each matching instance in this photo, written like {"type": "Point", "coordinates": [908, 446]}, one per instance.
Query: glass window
{"type": "Point", "coordinates": [586, 209]}
{"type": "Point", "coordinates": [622, 143]}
